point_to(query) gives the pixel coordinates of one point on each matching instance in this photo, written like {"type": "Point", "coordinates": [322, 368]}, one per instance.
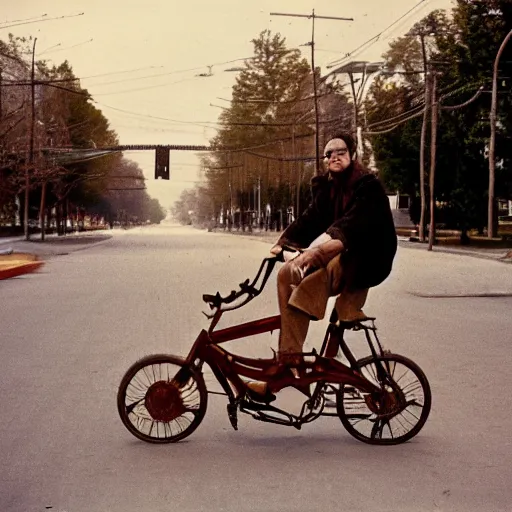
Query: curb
{"type": "Point", "coordinates": [461, 295]}
{"type": "Point", "coordinates": [47, 250]}
{"type": "Point", "coordinates": [502, 257]}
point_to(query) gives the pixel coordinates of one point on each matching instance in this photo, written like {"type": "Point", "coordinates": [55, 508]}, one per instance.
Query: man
{"type": "Point", "coordinates": [350, 223]}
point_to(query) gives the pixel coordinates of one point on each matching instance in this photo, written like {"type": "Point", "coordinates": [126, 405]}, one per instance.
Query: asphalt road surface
{"type": "Point", "coordinates": [70, 332]}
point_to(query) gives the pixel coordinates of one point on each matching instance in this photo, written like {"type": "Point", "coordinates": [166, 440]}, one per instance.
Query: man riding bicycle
{"type": "Point", "coordinates": [351, 243]}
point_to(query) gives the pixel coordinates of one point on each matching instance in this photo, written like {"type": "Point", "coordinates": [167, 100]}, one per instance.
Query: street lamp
{"type": "Point", "coordinates": [366, 69]}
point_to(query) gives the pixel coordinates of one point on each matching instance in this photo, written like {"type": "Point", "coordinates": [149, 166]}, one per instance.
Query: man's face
{"type": "Point", "coordinates": [337, 156]}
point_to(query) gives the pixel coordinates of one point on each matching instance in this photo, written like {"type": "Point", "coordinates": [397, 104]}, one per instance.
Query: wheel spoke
{"type": "Point", "coordinates": [402, 376]}
{"type": "Point", "coordinates": [407, 389]}
{"type": "Point", "coordinates": [409, 412]}
{"type": "Point", "coordinates": [155, 372]}
{"type": "Point", "coordinates": [129, 408]}
{"type": "Point", "coordinates": [404, 405]}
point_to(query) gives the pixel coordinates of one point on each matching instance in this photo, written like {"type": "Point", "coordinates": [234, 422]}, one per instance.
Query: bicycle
{"type": "Point", "coordinates": [383, 398]}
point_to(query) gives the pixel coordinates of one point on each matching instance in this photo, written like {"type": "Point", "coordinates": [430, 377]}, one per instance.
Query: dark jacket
{"type": "Point", "coordinates": [352, 207]}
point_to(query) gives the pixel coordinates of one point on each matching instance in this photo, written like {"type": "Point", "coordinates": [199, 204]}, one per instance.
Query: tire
{"type": "Point", "coordinates": [401, 412]}
{"type": "Point", "coordinates": [161, 400]}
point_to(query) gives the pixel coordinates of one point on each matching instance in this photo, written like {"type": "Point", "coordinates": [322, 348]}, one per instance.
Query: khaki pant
{"type": "Point", "coordinates": [302, 299]}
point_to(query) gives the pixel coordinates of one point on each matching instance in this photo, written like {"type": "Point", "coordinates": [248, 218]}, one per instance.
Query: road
{"type": "Point", "coordinates": [70, 332]}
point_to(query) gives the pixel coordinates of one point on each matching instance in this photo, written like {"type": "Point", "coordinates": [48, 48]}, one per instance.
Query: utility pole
{"type": "Point", "coordinates": [433, 149]}
{"type": "Point", "coordinates": [315, 96]}
{"type": "Point", "coordinates": [1, 107]}
{"type": "Point", "coordinates": [423, 199]}
{"type": "Point", "coordinates": [294, 163]}
{"type": "Point", "coordinates": [491, 226]}
{"type": "Point", "coordinates": [259, 199]}
{"type": "Point", "coordinates": [314, 16]}
{"type": "Point", "coordinates": [31, 150]}
{"type": "Point", "coordinates": [423, 207]}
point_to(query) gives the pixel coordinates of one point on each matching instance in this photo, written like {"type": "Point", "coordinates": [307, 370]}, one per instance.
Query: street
{"type": "Point", "coordinates": [69, 332]}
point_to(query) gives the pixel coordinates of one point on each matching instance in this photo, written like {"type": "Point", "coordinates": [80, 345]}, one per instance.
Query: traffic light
{"type": "Point", "coordinates": [162, 163]}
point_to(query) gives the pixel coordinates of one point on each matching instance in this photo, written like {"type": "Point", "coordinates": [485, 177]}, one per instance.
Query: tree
{"type": "Point", "coordinates": [268, 128]}
{"type": "Point", "coordinates": [463, 47]}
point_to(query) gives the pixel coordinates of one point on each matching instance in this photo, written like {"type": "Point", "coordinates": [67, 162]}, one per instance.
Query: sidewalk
{"type": "Point", "coordinates": [468, 250]}
{"type": "Point", "coordinates": [54, 245]}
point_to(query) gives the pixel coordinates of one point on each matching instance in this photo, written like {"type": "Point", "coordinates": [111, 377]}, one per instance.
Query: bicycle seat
{"type": "Point", "coordinates": [355, 324]}
{"type": "Point", "coordinates": [351, 321]}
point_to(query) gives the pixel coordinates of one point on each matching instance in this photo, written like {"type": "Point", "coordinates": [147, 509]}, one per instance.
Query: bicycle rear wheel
{"type": "Point", "coordinates": [161, 400]}
{"type": "Point", "coordinates": [398, 413]}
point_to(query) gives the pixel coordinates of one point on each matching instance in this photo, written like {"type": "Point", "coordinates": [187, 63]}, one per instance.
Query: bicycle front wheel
{"type": "Point", "coordinates": [396, 414]}
{"type": "Point", "coordinates": [161, 400]}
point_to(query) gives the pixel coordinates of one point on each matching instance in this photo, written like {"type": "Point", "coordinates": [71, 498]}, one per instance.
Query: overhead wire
{"type": "Point", "coordinates": [387, 129]}
{"type": "Point", "coordinates": [42, 20]}
{"type": "Point", "coordinates": [143, 88]}
{"type": "Point", "coordinates": [375, 38]}
{"type": "Point", "coordinates": [67, 47]}
{"type": "Point", "coordinates": [25, 19]}
{"type": "Point", "coordinates": [174, 72]}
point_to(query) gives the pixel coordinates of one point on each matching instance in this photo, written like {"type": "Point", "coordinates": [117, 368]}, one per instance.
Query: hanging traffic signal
{"type": "Point", "coordinates": [162, 163]}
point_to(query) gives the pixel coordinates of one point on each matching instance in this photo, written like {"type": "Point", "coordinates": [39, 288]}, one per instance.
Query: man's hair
{"type": "Point", "coordinates": [348, 139]}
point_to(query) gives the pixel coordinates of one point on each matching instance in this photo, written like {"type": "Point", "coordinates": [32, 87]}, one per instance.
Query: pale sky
{"type": "Point", "coordinates": [169, 37]}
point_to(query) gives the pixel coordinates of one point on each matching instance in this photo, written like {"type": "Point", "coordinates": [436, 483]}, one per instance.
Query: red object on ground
{"type": "Point", "coordinates": [18, 268]}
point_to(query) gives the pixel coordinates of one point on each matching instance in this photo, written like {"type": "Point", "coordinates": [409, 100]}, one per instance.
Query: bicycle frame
{"type": "Point", "coordinates": [149, 398]}
{"type": "Point", "coordinates": [228, 368]}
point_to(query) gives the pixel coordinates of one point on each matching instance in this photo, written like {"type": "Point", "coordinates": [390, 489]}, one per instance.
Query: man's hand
{"type": "Point", "coordinates": [311, 259]}
{"type": "Point", "coordinates": [287, 255]}
{"type": "Point", "coordinates": [319, 257]}
{"type": "Point", "coordinates": [276, 250]}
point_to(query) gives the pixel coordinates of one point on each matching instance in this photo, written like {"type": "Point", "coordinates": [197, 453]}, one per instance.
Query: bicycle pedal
{"type": "Point", "coordinates": [232, 415]}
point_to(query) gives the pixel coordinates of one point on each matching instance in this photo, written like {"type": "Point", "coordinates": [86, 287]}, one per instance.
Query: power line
{"type": "Point", "coordinates": [144, 88]}
{"type": "Point", "coordinates": [127, 177]}
{"type": "Point", "coordinates": [40, 21]}
{"type": "Point", "coordinates": [461, 105]}
{"type": "Point", "coordinates": [124, 71]}
{"type": "Point", "coordinates": [255, 100]}
{"type": "Point", "coordinates": [132, 188]}
{"type": "Point", "coordinates": [444, 95]}
{"type": "Point", "coordinates": [375, 38]}
{"type": "Point", "coordinates": [386, 121]}
{"type": "Point", "coordinates": [67, 47]}
{"type": "Point", "coordinates": [386, 130]}
{"type": "Point", "coordinates": [441, 98]}
{"type": "Point", "coordinates": [25, 19]}
{"type": "Point", "coordinates": [205, 123]}
{"type": "Point", "coordinates": [161, 74]}
{"type": "Point", "coordinates": [8, 82]}
{"type": "Point", "coordinates": [152, 117]}
{"type": "Point", "coordinates": [141, 69]}
{"type": "Point", "coordinates": [68, 90]}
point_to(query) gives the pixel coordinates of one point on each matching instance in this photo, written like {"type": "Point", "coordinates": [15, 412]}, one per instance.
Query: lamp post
{"type": "Point", "coordinates": [366, 69]}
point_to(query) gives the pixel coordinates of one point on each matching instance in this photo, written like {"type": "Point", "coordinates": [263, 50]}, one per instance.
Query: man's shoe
{"type": "Point", "coordinates": [259, 392]}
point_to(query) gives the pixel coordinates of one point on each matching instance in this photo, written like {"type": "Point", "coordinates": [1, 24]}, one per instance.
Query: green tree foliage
{"type": "Point", "coordinates": [462, 48]}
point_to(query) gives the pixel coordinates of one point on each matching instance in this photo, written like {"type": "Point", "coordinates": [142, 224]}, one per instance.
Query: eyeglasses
{"type": "Point", "coordinates": [336, 152]}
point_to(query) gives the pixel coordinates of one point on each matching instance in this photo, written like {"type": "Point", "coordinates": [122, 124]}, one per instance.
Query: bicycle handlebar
{"type": "Point", "coordinates": [246, 288]}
